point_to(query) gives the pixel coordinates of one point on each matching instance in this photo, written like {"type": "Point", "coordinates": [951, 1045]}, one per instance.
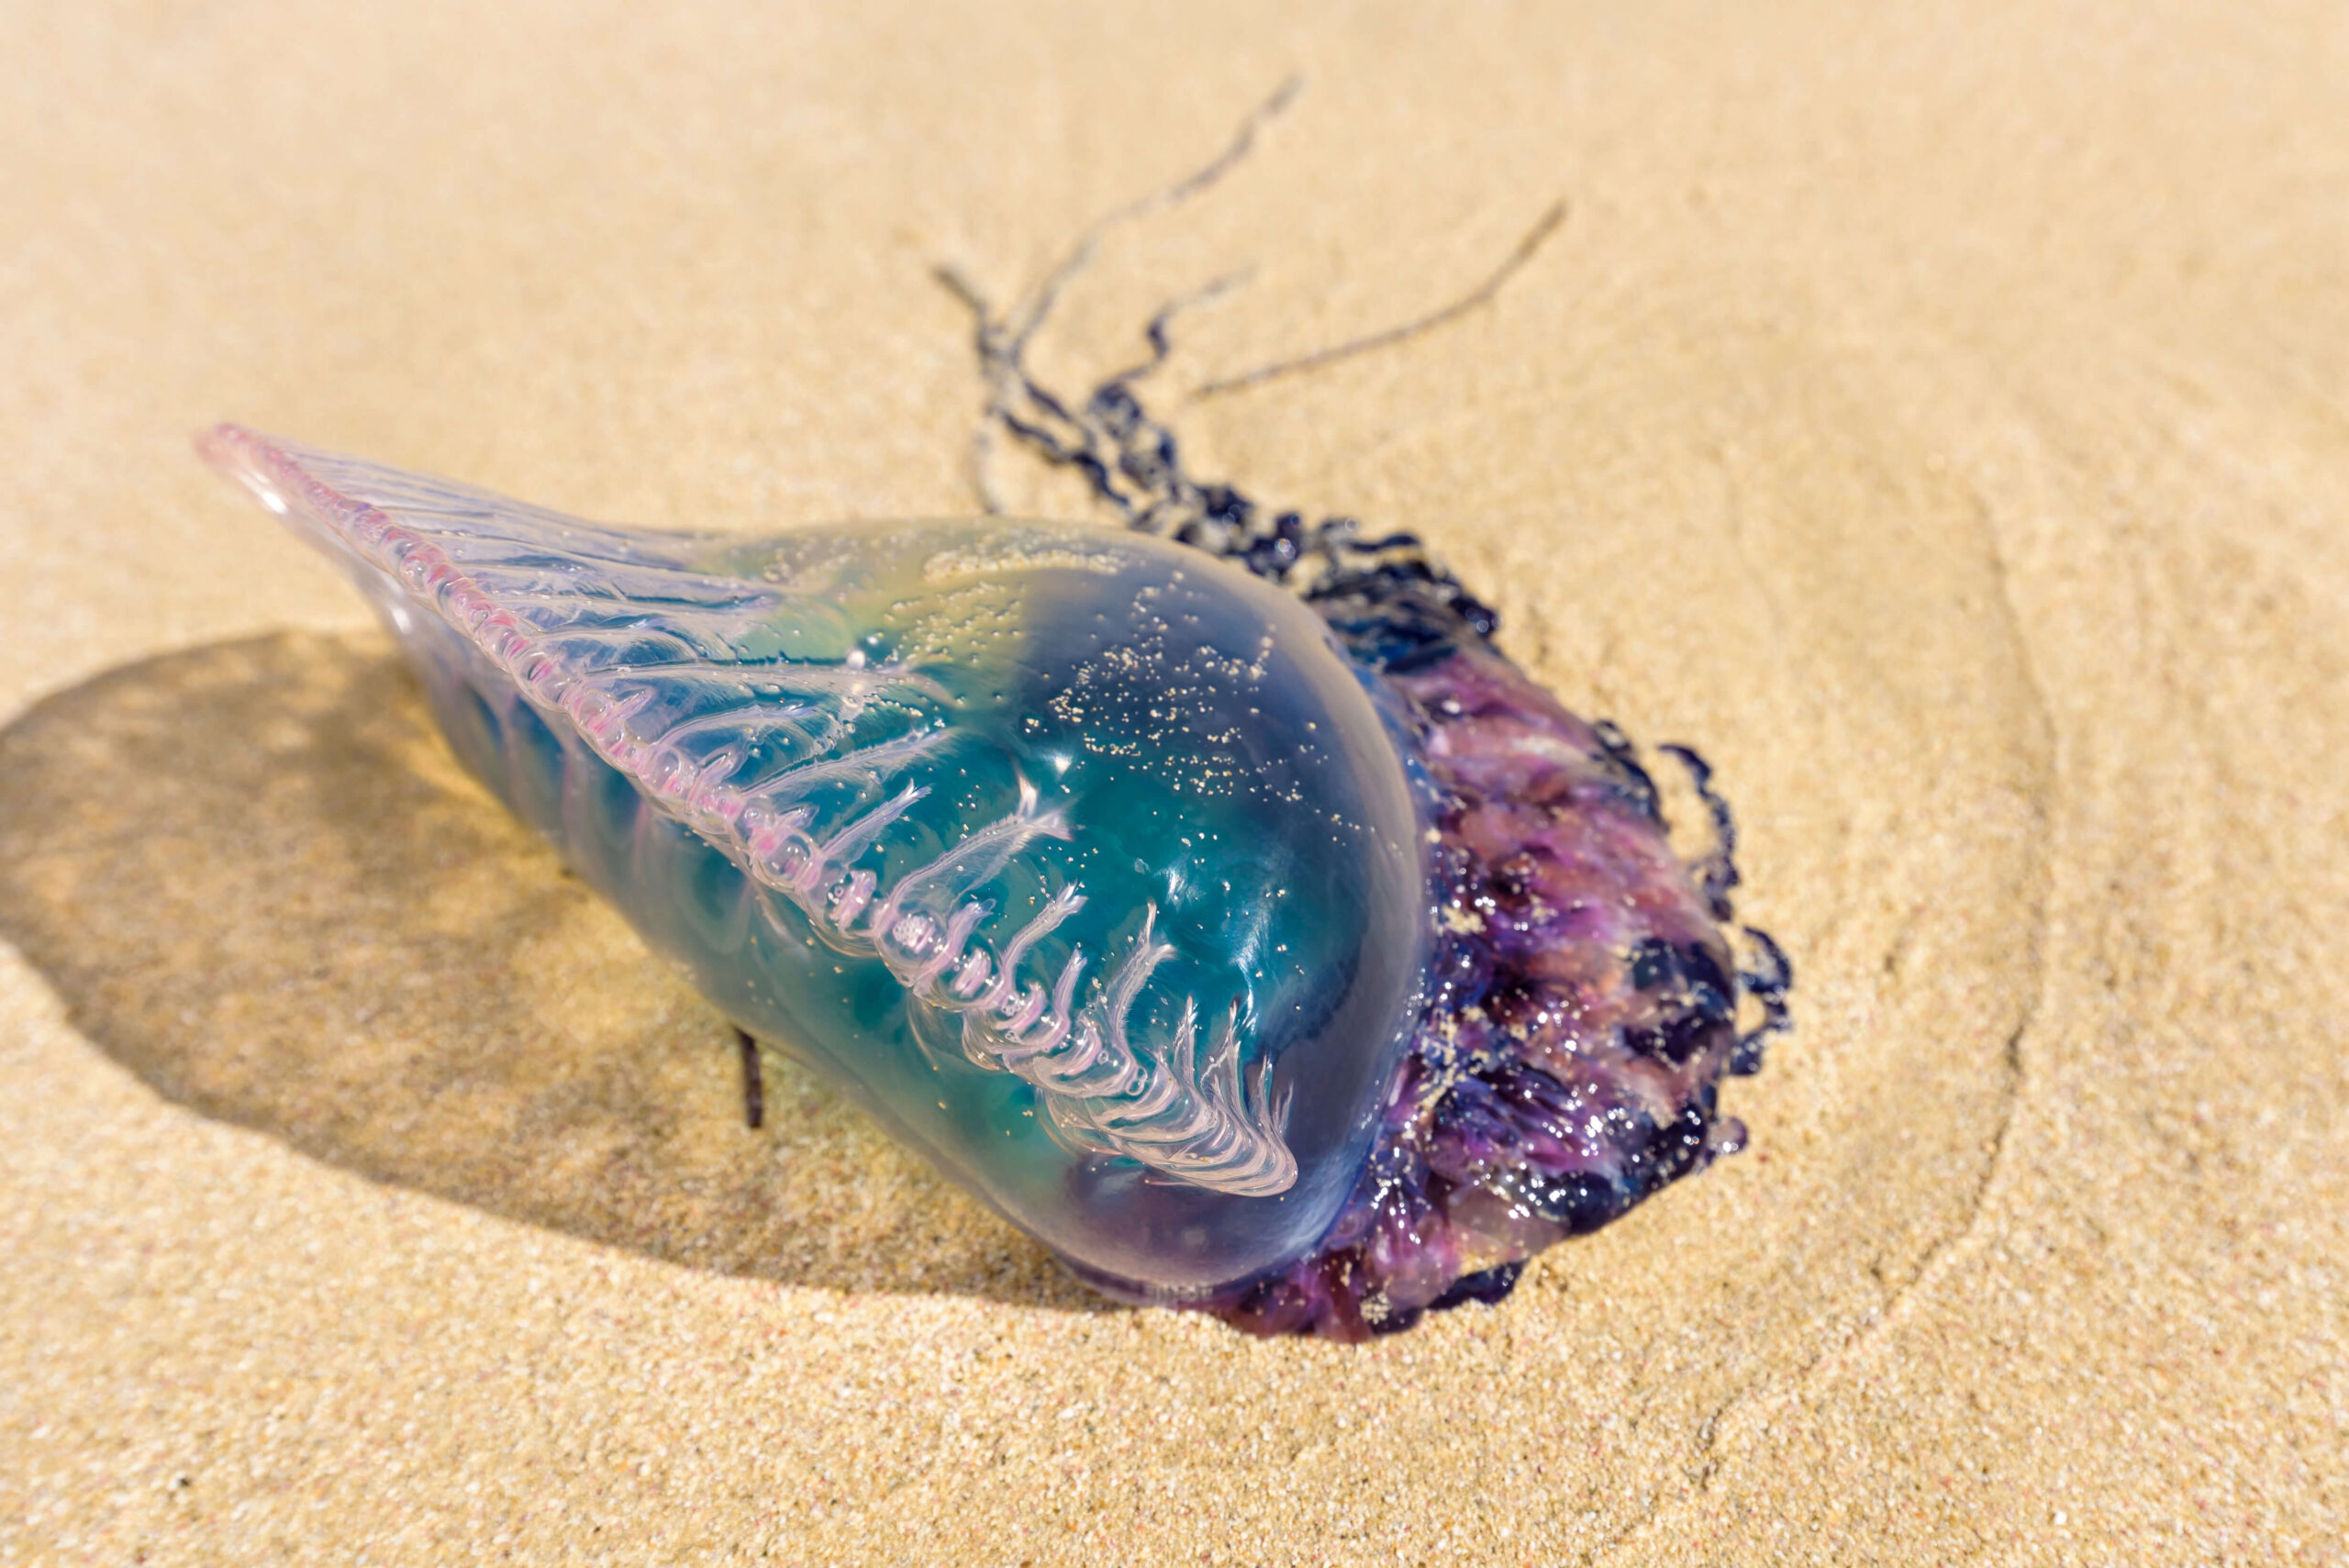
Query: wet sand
{"type": "Point", "coordinates": [1939, 416]}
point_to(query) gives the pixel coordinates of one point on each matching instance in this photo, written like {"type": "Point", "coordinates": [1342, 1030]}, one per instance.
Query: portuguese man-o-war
{"type": "Point", "coordinates": [1211, 898]}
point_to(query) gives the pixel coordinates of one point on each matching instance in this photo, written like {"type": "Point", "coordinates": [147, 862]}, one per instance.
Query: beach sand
{"type": "Point", "coordinates": [1940, 414]}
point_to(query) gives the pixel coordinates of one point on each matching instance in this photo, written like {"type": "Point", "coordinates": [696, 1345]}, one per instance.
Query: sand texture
{"type": "Point", "coordinates": [1938, 413]}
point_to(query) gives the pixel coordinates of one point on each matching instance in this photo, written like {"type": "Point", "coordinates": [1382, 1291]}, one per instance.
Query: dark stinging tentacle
{"type": "Point", "coordinates": [754, 1093]}
{"type": "Point", "coordinates": [1767, 983]}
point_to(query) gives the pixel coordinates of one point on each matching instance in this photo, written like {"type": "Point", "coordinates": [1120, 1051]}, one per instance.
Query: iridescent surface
{"type": "Point", "coordinates": [1089, 864]}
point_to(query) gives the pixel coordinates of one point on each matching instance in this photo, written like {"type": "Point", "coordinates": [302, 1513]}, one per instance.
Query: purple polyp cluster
{"type": "Point", "coordinates": [1579, 1015]}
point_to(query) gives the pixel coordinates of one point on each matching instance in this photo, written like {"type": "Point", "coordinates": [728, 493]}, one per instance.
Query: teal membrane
{"type": "Point", "coordinates": [1087, 864]}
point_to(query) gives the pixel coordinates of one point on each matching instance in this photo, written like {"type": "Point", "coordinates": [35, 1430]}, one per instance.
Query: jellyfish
{"type": "Point", "coordinates": [1211, 897]}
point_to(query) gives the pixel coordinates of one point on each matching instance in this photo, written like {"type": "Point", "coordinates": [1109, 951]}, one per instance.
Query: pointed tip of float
{"type": "Point", "coordinates": [244, 457]}
{"type": "Point", "coordinates": [217, 444]}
